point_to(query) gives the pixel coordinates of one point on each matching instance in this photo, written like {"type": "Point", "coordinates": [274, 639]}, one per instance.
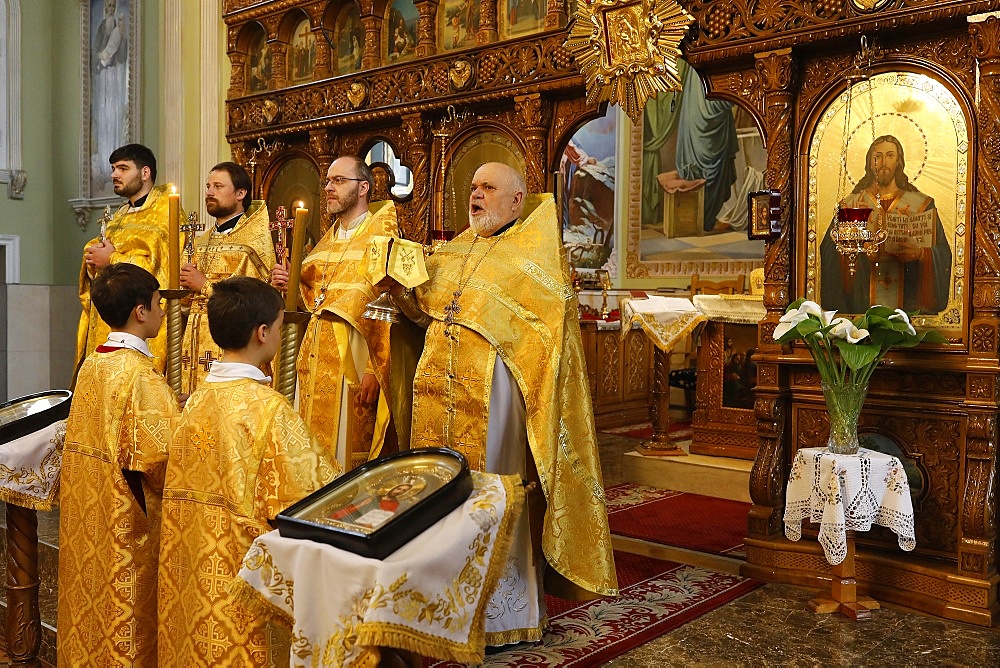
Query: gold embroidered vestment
{"type": "Point", "coordinates": [140, 237]}
{"type": "Point", "coordinates": [122, 416]}
{"type": "Point", "coordinates": [516, 302]}
{"type": "Point", "coordinates": [240, 455]}
{"type": "Point", "coordinates": [245, 251]}
{"type": "Point", "coordinates": [336, 293]}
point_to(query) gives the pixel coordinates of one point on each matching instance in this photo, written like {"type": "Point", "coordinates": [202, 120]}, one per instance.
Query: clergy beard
{"type": "Point", "coordinates": [130, 188]}
{"type": "Point", "coordinates": [344, 202]}
{"type": "Point", "coordinates": [218, 211]}
{"type": "Point", "coordinates": [486, 222]}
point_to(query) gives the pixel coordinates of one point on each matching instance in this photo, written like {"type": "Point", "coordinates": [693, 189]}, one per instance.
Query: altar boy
{"type": "Point", "coordinates": [117, 434]}
{"type": "Point", "coordinates": [240, 455]}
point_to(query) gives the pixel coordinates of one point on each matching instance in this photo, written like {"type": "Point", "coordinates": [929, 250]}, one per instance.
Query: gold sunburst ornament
{"type": "Point", "coordinates": [627, 50]}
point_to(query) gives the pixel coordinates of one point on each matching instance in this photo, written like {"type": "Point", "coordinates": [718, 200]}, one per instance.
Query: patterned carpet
{"type": "Point", "coordinates": [656, 597]}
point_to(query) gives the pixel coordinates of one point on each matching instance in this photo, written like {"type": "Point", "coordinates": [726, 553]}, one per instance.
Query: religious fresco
{"type": "Point", "coordinates": [521, 17]}
{"type": "Point", "coordinates": [301, 53]}
{"type": "Point", "coordinates": [400, 32]}
{"type": "Point", "coordinates": [906, 159]}
{"type": "Point", "coordinates": [259, 65]}
{"type": "Point", "coordinates": [110, 37]}
{"type": "Point", "coordinates": [587, 195]}
{"type": "Point", "coordinates": [349, 40]}
{"type": "Point", "coordinates": [695, 161]}
{"type": "Point", "coordinates": [458, 22]}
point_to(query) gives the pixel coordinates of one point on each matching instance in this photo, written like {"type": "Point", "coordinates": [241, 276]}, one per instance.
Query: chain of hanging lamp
{"type": "Point", "coordinates": [852, 232]}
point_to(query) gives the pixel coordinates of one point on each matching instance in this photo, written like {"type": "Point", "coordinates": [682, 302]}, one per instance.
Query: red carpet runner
{"type": "Point", "coordinates": [691, 521]}
{"type": "Point", "coordinates": [656, 597]}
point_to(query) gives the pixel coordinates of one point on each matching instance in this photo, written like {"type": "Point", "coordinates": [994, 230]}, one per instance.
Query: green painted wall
{"type": "Point", "coordinates": [31, 218]}
{"type": "Point", "coordinates": [51, 240]}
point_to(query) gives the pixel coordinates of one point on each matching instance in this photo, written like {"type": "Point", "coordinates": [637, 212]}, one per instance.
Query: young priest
{"type": "Point", "coordinates": [240, 455]}
{"type": "Point", "coordinates": [117, 435]}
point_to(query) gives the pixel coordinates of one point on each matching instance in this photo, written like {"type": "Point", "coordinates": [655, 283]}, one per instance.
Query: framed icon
{"type": "Point", "coordinates": [764, 213]}
{"type": "Point", "coordinates": [383, 504]}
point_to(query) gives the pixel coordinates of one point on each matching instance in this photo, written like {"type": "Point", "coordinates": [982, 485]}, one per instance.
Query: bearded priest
{"type": "Point", "coordinates": [502, 376]}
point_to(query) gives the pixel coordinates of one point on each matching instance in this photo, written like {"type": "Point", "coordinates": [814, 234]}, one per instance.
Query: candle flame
{"type": "Point", "coordinates": [173, 190]}
{"type": "Point", "coordinates": [300, 205]}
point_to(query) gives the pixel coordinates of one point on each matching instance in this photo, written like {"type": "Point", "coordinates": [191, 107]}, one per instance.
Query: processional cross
{"type": "Point", "coordinates": [282, 224]}
{"type": "Point", "coordinates": [103, 223]}
{"type": "Point", "coordinates": [189, 228]}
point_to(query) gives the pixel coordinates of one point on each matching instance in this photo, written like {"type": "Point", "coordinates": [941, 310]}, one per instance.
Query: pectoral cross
{"type": "Point", "coordinates": [281, 224]}
{"type": "Point", "coordinates": [189, 228]}
{"type": "Point", "coordinates": [206, 360]}
{"type": "Point", "coordinates": [103, 222]}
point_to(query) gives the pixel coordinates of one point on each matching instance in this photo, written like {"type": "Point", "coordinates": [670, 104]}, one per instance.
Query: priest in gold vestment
{"type": "Point", "coordinates": [238, 244]}
{"type": "Point", "coordinates": [343, 364]}
{"type": "Point", "coordinates": [117, 438]}
{"type": "Point", "coordinates": [502, 369]}
{"type": "Point", "coordinates": [136, 234]}
{"type": "Point", "coordinates": [240, 455]}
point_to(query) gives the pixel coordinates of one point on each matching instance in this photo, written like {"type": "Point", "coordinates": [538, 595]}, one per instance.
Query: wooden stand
{"type": "Point", "coordinates": [844, 591]}
{"type": "Point", "coordinates": [24, 623]}
{"type": "Point", "coordinates": [660, 445]}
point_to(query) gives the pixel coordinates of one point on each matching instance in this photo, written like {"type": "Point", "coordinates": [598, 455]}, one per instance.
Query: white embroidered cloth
{"type": "Point", "coordinates": [29, 468]}
{"type": "Point", "coordinates": [666, 320]}
{"type": "Point", "coordinates": [428, 597]}
{"type": "Point", "coordinates": [736, 309]}
{"type": "Point", "coordinates": [848, 492]}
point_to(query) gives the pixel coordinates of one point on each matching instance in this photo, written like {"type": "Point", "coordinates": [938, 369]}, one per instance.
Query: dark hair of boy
{"type": "Point", "coordinates": [137, 154]}
{"type": "Point", "coordinates": [119, 288]}
{"type": "Point", "coordinates": [237, 307]}
{"type": "Point", "coordinates": [240, 178]}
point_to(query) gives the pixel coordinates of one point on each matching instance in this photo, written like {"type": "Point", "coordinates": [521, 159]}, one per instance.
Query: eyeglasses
{"type": "Point", "coordinates": [340, 180]}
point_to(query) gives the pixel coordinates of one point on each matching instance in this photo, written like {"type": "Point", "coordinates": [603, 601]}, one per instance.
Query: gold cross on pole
{"type": "Point", "coordinates": [103, 223]}
{"type": "Point", "coordinates": [282, 224]}
{"type": "Point", "coordinates": [206, 360]}
{"type": "Point", "coordinates": [189, 228]}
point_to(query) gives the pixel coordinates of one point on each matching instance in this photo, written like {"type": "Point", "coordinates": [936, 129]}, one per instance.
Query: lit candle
{"type": "Point", "coordinates": [174, 247]}
{"type": "Point", "coordinates": [298, 244]}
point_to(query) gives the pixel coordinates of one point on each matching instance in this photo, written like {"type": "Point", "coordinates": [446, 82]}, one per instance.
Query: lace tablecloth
{"type": "Point", "coordinates": [429, 596]}
{"type": "Point", "coordinates": [29, 468]}
{"type": "Point", "coordinates": [666, 320]}
{"type": "Point", "coordinates": [847, 492]}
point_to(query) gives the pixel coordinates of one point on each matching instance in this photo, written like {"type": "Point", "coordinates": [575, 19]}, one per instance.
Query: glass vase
{"type": "Point", "coordinates": [843, 403]}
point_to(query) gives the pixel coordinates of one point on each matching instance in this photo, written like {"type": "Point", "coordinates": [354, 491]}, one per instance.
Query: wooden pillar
{"type": "Point", "coordinates": [978, 523]}
{"type": "Point", "coordinates": [237, 76]}
{"type": "Point", "coordinates": [373, 42]}
{"type": "Point", "coordinates": [417, 156]}
{"type": "Point", "coordinates": [427, 28]}
{"type": "Point", "coordinates": [530, 112]}
{"type": "Point", "coordinates": [324, 56]}
{"type": "Point", "coordinates": [767, 477]}
{"type": "Point", "coordinates": [556, 14]}
{"type": "Point", "coordinates": [24, 622]}
{"type": "Point", "coordinates": [487, 33]}
{"type": "Point", "coordinates": [279, 67]}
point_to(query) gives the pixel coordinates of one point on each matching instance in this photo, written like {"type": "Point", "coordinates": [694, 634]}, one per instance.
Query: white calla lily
{"type": "Point", "coordinates": [855, 335]}
{"type": "Point", "coordinates": [811, 308]}
{"type": "Point", "coordinates": [841, 326]}
{"type": "Point", "coordinates": [901, 314]}
{"type": "Point", "coordinates": [782, 329]}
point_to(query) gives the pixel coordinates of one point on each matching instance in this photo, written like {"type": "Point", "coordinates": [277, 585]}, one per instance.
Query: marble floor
{"type": "Point", "coordinates": [772, 626]}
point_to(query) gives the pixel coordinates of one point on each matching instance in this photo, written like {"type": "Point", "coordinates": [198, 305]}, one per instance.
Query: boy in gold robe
{"type": "Point", "coordinates": [240, 455]}
{"type": "Point", "coordinates": [136, 234]}
{"type": "Point", "coordinates": [343, 364]}
{"type": "Point", "coordinates": [239, 244]}
{"type": "Point", "coordinates": [117, 437]}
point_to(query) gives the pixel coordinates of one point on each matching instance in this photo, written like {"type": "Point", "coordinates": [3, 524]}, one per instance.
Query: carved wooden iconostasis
{"type": "Point", "coordinates": [433, 84]}
{"type": "Point", "coordinates": [936, 408]}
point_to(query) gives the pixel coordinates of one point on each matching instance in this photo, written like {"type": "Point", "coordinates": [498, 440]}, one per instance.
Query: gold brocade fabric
{"type": "Point", "coordinates": [516, 300]}
{"type": "Point", "coordinates": [240, 455]}
{"type": "Point", "coordinates": [122, 416]}
{"type": "Point", "coordinates": [245, 251]}
{"type": "Point", "coordinates": [140, 238]}
{"type": "Point", "coordinates": [331, 275]}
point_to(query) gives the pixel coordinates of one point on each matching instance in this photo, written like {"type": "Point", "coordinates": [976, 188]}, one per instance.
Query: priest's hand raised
{"type": "Point", "coordinates": [192, 278]}
{"type": "Point", "coordinates": [99, 255]}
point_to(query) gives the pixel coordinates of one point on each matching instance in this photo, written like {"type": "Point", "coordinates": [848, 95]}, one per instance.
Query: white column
{"type": "Point", "coordinates": [173, 104]}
